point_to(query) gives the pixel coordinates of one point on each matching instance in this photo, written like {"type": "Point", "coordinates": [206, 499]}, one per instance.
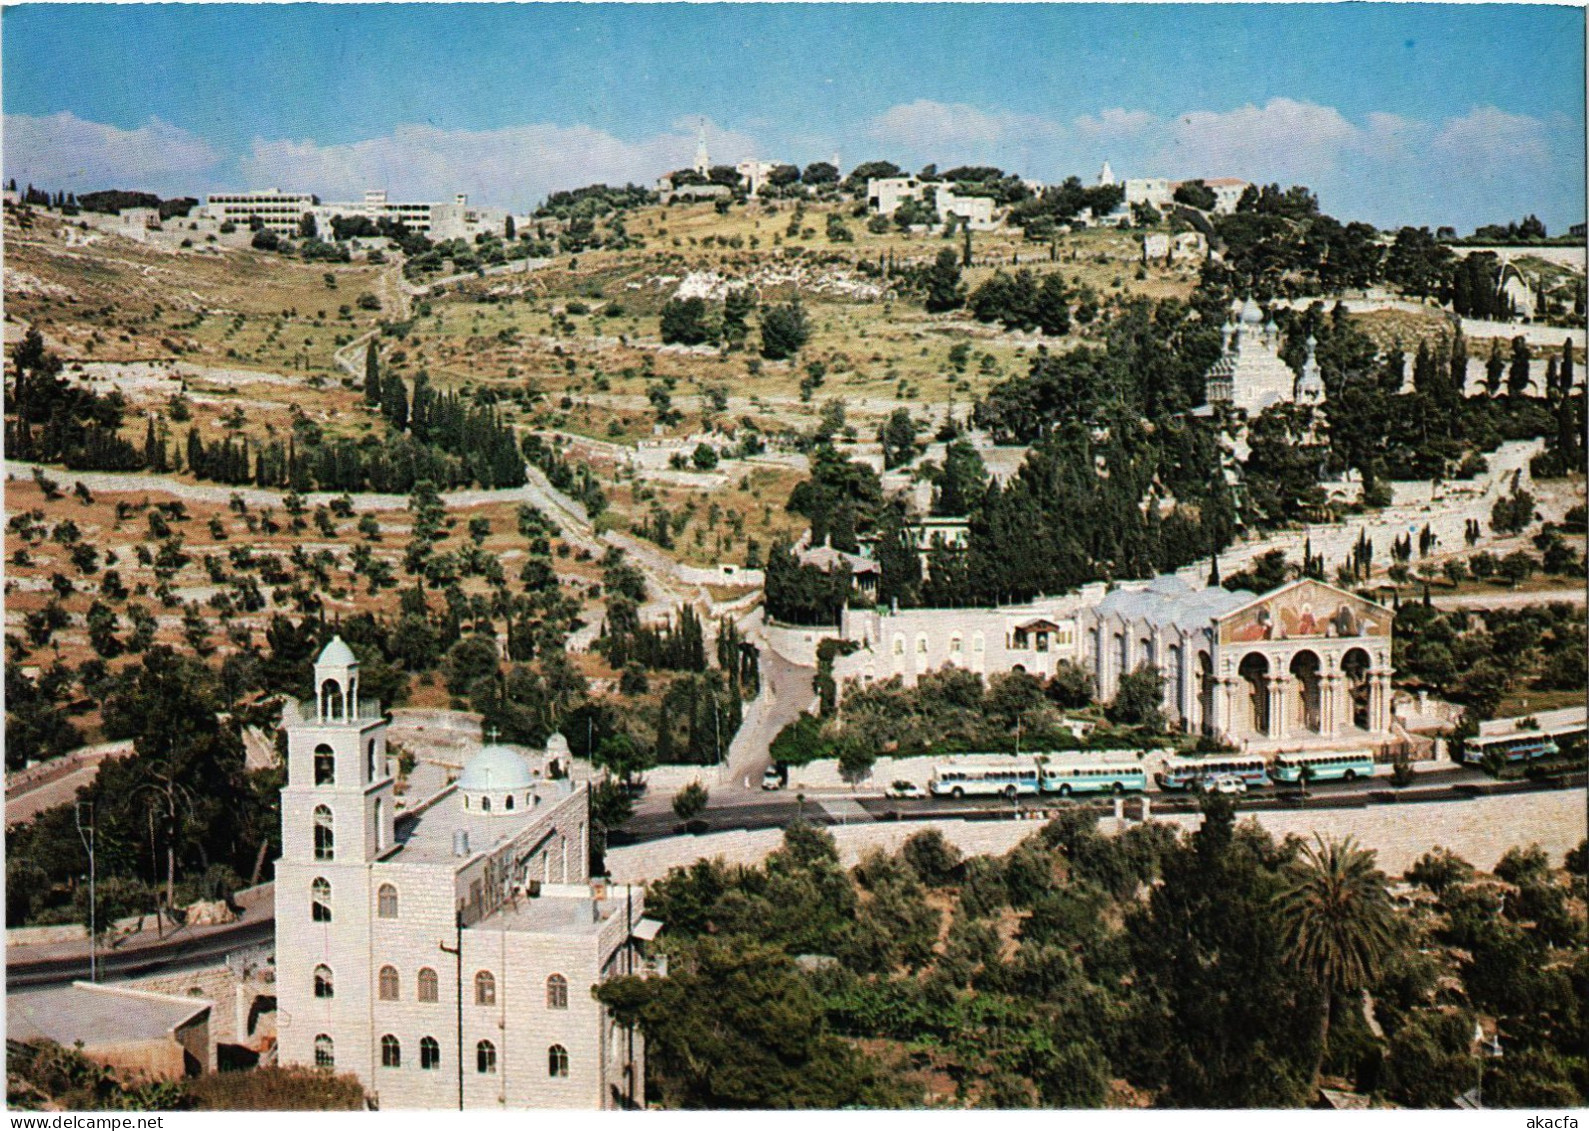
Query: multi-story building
{"type": "Point", "coordinates": [282, 212]}
{"type": "Point", "coordinates": [1160, 191]}
{"type": "Point", "coordinates": [884, 195]}
{"type": "Point", "coordinates": [278, 211]}
{"type": "Point", "coordinates": [445, 953]}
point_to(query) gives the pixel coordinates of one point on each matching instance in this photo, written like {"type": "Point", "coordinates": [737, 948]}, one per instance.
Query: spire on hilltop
{"type": "Point", "coordinates": [703, 162]}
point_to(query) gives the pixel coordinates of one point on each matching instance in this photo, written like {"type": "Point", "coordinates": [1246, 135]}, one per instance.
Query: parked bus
{"type": "Point", "coordinates": [1079, 775]}
{"type": "Point", "coordinates": [1324, 765]}
{"type": "Point", "coordinates": [1523, 747]}
{"type": "Point", "coordinates": [1197, 771]}
{"type": "Point", "coordinates": [1006, 778]}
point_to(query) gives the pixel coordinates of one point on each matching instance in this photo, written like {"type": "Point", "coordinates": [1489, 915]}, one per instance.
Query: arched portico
{"type": "Point", "coordinates": [1308, 712]}
{"type": "Point", "coordinates": [1253, 716]}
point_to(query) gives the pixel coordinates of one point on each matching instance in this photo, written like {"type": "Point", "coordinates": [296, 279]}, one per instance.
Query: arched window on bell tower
{"type": "Point", "coordinates": [325, 765]}
{"type": "Point", "coordinates": [331, 701]}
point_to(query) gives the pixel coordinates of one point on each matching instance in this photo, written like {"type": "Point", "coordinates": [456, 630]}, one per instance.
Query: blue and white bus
{"type": "Point", "coordinates": [1007, 779]}
{"type": "Point", "coordinates": [1196, 772]}
{"type": "Point", "coordinates": [1080, 774]}
{"type": "Point", "coordinates": [1522, 747]}
{"type": "Point", "coordinates": [1324, 765]}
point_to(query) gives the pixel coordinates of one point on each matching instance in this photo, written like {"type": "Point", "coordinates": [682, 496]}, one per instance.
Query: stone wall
{"type": "Point", "coordinates": [233, 1018]}
{"type": "Point", "coordinates": [1480, 830]}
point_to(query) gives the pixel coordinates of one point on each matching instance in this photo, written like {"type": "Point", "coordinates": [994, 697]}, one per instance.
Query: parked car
{"type": "Point", "coordinates": [906, 790]}
{"type": "Point", "coordinates": [771, 778]}
{"type": "Point", "coordinates": [1226, 783]}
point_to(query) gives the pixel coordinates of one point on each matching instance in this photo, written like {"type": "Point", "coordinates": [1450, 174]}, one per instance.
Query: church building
{"type": "Point", "coordinates": [1305, 666]}
{"type": "Point", "coordinates": [1250, 374]}
{"type": "Point", "coordinates": [444, 951]}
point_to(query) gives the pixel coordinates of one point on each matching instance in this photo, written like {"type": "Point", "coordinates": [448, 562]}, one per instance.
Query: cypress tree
{"type": "Point", "coordinates": [372, 376]}
{"type": "Point", "coordinates": [394, 402]}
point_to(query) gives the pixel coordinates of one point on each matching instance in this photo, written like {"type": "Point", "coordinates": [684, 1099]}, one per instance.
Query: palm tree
{"type": "Point", "coordinates": [1337, 922]}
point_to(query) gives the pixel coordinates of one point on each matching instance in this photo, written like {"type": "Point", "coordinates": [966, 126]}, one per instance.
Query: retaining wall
{"type": "Point", "coordinates": [1480, 831]}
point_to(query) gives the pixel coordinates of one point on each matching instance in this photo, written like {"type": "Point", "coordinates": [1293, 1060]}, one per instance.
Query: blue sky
{"type": "Point", "coordinates": [1393, 113]}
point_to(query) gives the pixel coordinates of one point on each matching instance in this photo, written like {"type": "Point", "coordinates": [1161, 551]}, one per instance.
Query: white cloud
{"type": "Point", "coordinates": [63, 151]}
{"type": "Point", "coordinates": [1491, 139]}
{"type": "Point", "coordinates": [1281, 140]}
{"type": "Point", "coordinates": [1115, 122]}
{"type": "Point", "coordinates": [955, 131]}
{"type": "Point", "coordinates": [515, 166]}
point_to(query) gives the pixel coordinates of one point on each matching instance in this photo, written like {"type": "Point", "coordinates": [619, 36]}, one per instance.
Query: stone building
{"type": "Point", "coordinates": [150, 1034]}
{"type": "Point", "coordinates": [445, 955]}
{"type": "Point", "coordinates": [1307, 664]}
{"type": "Point", "coordinates": [885, 195]}
{"type": "Point", "coordinates": [908, 643]}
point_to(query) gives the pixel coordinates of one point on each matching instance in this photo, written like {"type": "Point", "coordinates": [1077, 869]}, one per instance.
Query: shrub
{"type": "Point", "coordinates": [277, 1089]}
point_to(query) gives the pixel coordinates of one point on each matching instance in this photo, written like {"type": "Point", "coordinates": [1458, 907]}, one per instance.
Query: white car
{"type": "Point", "coordinates": [1225, 783]}
{"type": "Point", "coordinates": [906, 790]}
{"type": "Point", "coordinates": [772, 779]}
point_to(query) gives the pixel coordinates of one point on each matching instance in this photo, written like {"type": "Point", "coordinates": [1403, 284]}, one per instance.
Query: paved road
{"type": "Point", "coordinates": [148, 953]}
{"type": "Point", "coordinates": [789, 692]}
{"type": "Point", "coordinates": [1506, 599]}
{"type": "Point", "coordinates": [206, 946]}
{"type": "Point", "coordinates": [27, 800]}
{"type": "Point", "coordinates": [768, 809]}
{"type": "Point", "coordinates": [112, 482]}
{"type": "Point", "coordinates": [184, 953]}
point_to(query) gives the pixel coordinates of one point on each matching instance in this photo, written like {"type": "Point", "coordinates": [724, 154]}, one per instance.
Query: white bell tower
{"type": "Point", "coordinates": [336, 821]}
{"type": "Point", "coordinates": [336, 764]}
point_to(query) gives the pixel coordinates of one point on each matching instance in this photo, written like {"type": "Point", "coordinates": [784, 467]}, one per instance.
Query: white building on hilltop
{"type": "Point", "coordinates": [884, 195]}
{"type": "Point", "coordinates": [445, 955]}
{"type": "Point", "coordinates": [282, 212]}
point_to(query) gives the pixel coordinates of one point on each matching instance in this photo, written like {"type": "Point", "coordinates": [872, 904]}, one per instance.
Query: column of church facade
{"type": "Point", "coordinates": [1280, 690]}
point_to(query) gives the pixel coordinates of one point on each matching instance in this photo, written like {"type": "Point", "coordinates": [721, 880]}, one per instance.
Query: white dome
{"type": "Point", "coordinates": [1250, 313]}
{"type": "Point", "coordinates": [556, 746]}
{"type": "Point", "coordinates": [337, 653]}
{"type": "Point", "coordinates": [496, 769]}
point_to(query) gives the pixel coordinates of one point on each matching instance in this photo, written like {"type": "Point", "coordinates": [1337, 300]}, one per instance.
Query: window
{"type": "Point", "coordinates": [507, 802]}
{"type": "Point", "coordinates": [485, 1058]}
{"type": "Point", "coordinates": [485, 988]}
{"type": "Point", "coordinates": [921, 645]}
{"type": "Point", "coordinates": [325, 839]}
{"type": "Point", "coordinates": [387, 980]}
{"type": "Point", "coordinates": [1042, 641]}
{"type": "Point", "coordinates": [954, 645]}
{"type": "Point", "coordinates": [557, 992]}
{"type": "Point", "coordinates": [369, 759]}
{"type": "Point", "coordinates": [330, 700]}
{"type": "Point", "coordinates": [380, 825]}
{"type": "Point", "coordinates": [899, 645]}
{"type": "Point", "coordinates": [1019, 640]}
{"type": "Point", "coordinates": [391, 1052]}
{"type": "Point", "coordinates": [428, 985]}
{"type": "Point", "coordinates": [485, 805]}
{"type": "Point", "coordinates": [557, 1061]}
{"type": "Point", "coordinates": [325, 765]}
{"type": "Point", "coordinates": [325, 1055]}
{"type": "Point", "coordinates": [324, 983]}
{"type": "Point", "coordinates": [320, 900]}
{"type": "Point", "coordinates": [386, 902]}
{"type": "Point", "coordinates": [429, 1053]}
